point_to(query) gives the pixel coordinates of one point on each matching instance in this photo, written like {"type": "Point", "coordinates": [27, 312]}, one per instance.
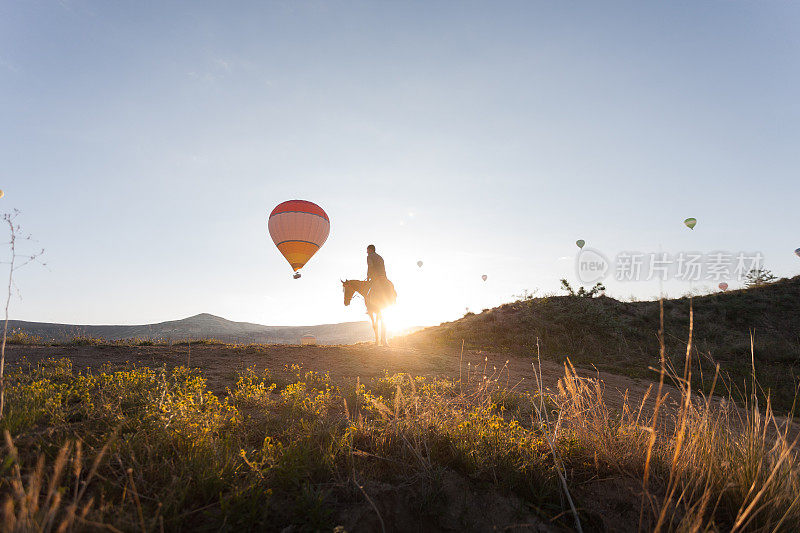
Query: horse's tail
{"type": "Point", "coordinates": [392, 293]}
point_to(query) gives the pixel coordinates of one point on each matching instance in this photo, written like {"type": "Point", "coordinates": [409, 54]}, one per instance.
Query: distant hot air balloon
{"type": "Point", "coordinates": [797, 252]}
{"type": "Point", "coordinates": [298, 228]}
{"type": "Point", "coordinates": [581, 243]}
{"type": "Point", "coordinates": [690, 222]}
{"type": "Point", "coordinates": [723, 286]}
{"type": "Point", "coordinates": [2, 194]}
{"type": "Point", "coordinates": [484, 277]}
{"type": "Point", "coordinates": [419, 264]}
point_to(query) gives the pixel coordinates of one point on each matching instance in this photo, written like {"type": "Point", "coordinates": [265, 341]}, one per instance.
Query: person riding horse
{"type": "Point", "coordinates": [381, 289]}
{"type": "Point", "coordinates": [377, 290]}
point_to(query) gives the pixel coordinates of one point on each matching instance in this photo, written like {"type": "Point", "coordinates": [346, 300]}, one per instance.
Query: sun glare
{"type": "Point", "coordinates": [399, 318]}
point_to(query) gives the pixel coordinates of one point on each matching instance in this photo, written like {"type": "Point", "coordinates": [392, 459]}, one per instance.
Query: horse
{"type": "Point", "coordinates": [376, 303]}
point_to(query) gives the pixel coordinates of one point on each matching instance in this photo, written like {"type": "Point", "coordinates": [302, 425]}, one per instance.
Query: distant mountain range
{"type": "Point", "coordinates": [204, 326]}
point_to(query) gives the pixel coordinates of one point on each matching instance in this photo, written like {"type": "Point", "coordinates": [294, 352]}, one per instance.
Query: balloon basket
{"type": "Point", "coordinates": [296, 275]}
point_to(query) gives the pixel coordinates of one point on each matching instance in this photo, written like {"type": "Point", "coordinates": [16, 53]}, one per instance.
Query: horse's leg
{"type": "Point", "coordinates": [383, 329]}
{"type": "Point", "coordinates": [374, 320]}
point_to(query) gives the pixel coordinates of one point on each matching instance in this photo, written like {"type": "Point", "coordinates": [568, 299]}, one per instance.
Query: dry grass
{"type": "Point", "coordinates": [19, 336]}
{"type": "Point", "coordinates": [619, 337]}
{"type": "Point", "coordinates": [42, 504]}
{"type": "Point", "coordinates": [392, 454]}
{"type": "Point", "coordinates": [706, 465]}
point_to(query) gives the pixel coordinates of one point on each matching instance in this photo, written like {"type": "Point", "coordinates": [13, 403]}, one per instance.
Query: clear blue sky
{"type": "Point", "coordinates": [146, 143]}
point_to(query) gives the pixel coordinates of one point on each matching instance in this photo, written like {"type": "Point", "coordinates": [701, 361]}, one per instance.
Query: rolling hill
{"type": "Point", "coordinates": [622, 337]}
{"type": "Point", "coordinates": [203, 326]}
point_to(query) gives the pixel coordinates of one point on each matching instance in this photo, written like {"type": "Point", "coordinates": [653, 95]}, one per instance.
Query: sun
{"type": "Point", "coordinates": [399, 318]}
{"type": "Point", "coordinates": [402, 317]}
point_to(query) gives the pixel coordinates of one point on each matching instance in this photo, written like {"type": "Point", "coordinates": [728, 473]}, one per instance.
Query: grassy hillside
{"type": "Point", "coordinates": [622, 337]}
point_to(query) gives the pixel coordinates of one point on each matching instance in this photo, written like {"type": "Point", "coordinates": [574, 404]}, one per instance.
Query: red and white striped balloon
{"type": "Point", "coordinates": [298, 228]}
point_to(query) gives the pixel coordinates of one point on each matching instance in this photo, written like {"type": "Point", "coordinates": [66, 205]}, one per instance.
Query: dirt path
{"type": "Point", "coordinates": [221, 363]}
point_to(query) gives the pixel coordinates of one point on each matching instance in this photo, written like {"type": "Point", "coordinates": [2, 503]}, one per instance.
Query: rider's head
{"type": "Point", "coordinates": [371, 249]}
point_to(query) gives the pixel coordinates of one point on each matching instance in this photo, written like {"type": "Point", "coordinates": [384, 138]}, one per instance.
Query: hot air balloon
{"type": "Point", "coordinates": [581, 243]}
{"type": "Point", "coordinates": [484, 277]}
{"type": "Point", "coordinates": [2, 194]}
{"type": "Point", "coordinates": [723, 286]}
{"type": "Point", "coordinates": [419, 264]}
{"type": "Point", "coordinates": [690, 222]}
{"type": "Point", "coordinates": [298, 228]}
{"type": "Point", "coordinates": [797, 252]}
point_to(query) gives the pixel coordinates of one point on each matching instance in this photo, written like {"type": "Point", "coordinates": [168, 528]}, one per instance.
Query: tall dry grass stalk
{"type": "Point", "coordinates": [39, 503]}
{"type": "Point", "coordinates": [550, 434]}
{"type": "Point", "coordinates": [705, 463]}
{"type": "Point", "coordinates": [14, 231]}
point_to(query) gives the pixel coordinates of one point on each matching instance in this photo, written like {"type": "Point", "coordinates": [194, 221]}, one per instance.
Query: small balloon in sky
{"type": "Point", "coordinates": [690, 222]}
{"type": "Point", "coordinates": [723, 286]}
{"type": "Point", "coordinates": [484, 277]}
{"type": "Point", "coordinates": [2, 193]}
{"type": "Point", "coordinates": [797, 252]}
{"type": "Point", "coordinates": [581, 243]}
{"type": "Point", "coordinates": [419, 264]}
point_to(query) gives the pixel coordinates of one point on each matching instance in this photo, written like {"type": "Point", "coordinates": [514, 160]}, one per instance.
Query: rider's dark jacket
{"type": "Point", "coordinates": [375, 267]}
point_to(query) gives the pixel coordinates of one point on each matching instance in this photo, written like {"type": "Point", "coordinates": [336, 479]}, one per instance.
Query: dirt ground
{"type": "Point", "coordinates": [220, 364]}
